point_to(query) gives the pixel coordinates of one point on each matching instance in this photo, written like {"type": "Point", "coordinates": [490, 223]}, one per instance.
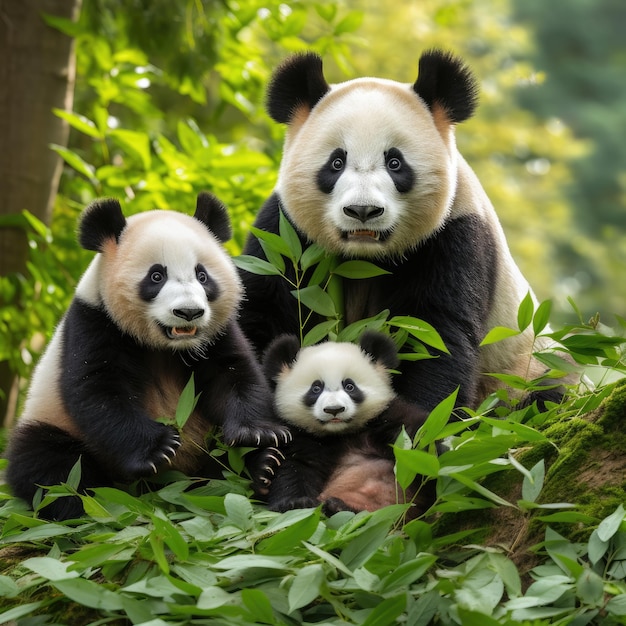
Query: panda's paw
{"type": "Point", "coordinates": [158, 452]}
{"type": "Point", "coordinates": [333, 505]}
{"type": "Point", "coordinates": [257, 436]}
{"type": "Point", "coordinates": [266, 464]}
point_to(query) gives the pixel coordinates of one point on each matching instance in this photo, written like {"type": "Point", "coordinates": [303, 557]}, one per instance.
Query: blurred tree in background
{"type": "Point", "coordinates": [169, 101]}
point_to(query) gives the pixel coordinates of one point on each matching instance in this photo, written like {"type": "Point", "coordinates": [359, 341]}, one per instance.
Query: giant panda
{"type": "Point", "coordinates": [157, 304]}
{"type": "Point", "coordinates": [338, 402]}
{"type": "Point", "coordinates": [370, 170]}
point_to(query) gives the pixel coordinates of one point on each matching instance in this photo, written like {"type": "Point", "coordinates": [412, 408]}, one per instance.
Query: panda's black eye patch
{"type": "Point", "coordinates": [210, 286]}
{"type": "Point", "coordinates": [352, 389]}
{"type": "Point", "coordinates": [311, 396]}
{"type": "Point", "coordinates": [330, 172]}
{"type": "Point", "coordinates": [400, 171]}
{"type": "Point", "coordinates": [152, 282]}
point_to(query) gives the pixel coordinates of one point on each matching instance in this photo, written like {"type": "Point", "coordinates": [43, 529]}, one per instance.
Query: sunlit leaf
{"type": "Point", "coordinates": [254, 265]}
{"type": "Point", "coordinates": [316, 299]}
{"type": "Point", "coordinates": [525, 312]}
{"type": "Point", "coordinates": [359, 269]}
{"type": "Point", "coordinates": [498, 333]}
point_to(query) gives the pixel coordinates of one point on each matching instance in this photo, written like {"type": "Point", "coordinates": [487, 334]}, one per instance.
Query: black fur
{"type": "Point", "coordinates": [400, 171]}
{"type": "Point", "coordinates": [298, 82]}
{"type": "Point", "coordinates": [101, 220]}
{"type": "Point", "coordinates": [213, 214]}
{"type": "Point", "coordinates": [448, 281]}
{"type": "Point", "coordinates": [445, 80]}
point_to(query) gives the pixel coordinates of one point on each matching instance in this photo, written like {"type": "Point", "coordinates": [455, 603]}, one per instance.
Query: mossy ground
{"type": "Point", "coordinates": [585, 459]}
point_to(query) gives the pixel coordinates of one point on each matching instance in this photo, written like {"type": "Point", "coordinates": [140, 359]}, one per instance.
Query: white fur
{"type": "Point", "coordinates": [332, 363]}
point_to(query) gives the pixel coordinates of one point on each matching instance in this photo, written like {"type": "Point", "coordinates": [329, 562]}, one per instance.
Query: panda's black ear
{"type": "Point", "coordinates": [381, 348]}
{"type": "Point", "coordinates": [280, 353]}
{"type": "Point", "coordinates": [101, 220]}
{"type": "Point", "coordinates": [444, 80]}
{"type": "Point", "coordinates": [297, 82]}
{"type": "Point", "coordinates": [214, 215]}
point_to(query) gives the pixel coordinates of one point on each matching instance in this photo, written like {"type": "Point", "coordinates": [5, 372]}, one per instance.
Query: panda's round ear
{"type": "Point", "coordinates": [280, 353]}
{"type": "Point", "coordinates": [101, 220]}
{"type": "Point", "coordinates": [381, 348]}
{"type": "Point", "coordinates": [297, 82]}
{"type": "Point", "coordinates": [214, 215]}
{"type": "Point", "coordinates": [445, 81]}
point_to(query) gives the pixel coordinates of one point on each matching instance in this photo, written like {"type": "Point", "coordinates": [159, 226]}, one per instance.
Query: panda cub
{"type": "Point", "coordinates": [157, 304]}
{"type": "Point", "coordinates": [339, 404]}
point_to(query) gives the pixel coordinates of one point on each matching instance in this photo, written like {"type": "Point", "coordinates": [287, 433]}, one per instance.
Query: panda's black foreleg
{"type": "Point", "coordinates": [41, 455]}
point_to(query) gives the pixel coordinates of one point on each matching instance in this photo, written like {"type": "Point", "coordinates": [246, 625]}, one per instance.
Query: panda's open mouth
{"type": "Point", "coordinates": [178, 332]}
{"type": "Point", "coordinates": [365, 235]}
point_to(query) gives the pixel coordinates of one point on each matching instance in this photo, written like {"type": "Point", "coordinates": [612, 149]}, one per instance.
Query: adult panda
{"type": "Point", "coordinates": [338, 402]}
{"type": "Point", "coordinates": [157, 304]}
{"type": "Point", "coordinates": [371, 170]}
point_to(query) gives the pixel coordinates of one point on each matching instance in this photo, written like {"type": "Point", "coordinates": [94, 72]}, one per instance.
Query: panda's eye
{"type": "Point", "coordinates": [202, 276]}
{"type": "Point", "coordinates": [317, 387]}
{"type": "Point", "coordinates": [337, 164]}
{"type": "Point", "coordinates": [394, 164]}
{"type": "Point", "coordinates": [157, 274]}
{"type": "Point", "coordinates": [348, 385]}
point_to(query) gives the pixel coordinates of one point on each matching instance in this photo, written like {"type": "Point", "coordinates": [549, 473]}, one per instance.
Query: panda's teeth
{"type": "Point", "coordinates": [364, 234]}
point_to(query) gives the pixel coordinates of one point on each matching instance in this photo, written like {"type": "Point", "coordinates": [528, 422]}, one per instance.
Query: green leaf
{"type": "Point", "coordinates": [238, 510]}
{"type": "Point", "coordinates": [49, 568]}
{"type": "Point", "coordinates": [90, 594]}
{"type": "Point", "coordinates": [611, 524]}
{"type": "Point", "coordinates": [290, 237]}
{"type": "Point", "coordinates": [12, 615]}
{"type": "Point", "coordinates": [273, 241]}
{"type": "Point", "coordinates": [254, 265]}
{"type": "Point", "coordinates": [79, 122]}
{"type": "Point", "coordinates": [186, 403]}
{"type": "Point", "coordinates": [590, 588]}
{"type": "Point", "coordinates": [319, 332]}
{"type": "Point", "coordinates": [291, 536]}
{"type": "Point", "coordinates": [410, 463]}
{"type": "Point", "coordinates": [166, 530]}
{"type": "Point", "coordinates": [316, 299]}
{"type": "Point", "coordinates": [312, 255]}
{"type": "Point", "coordinates": [134, 142]}
{"type": "Point", "coordinates": [483, 491]}
{"type": "Point", "coordinates": [362, 548]}
{"type": "Point", "coordinates": [306, 586]}
{"type": "Point", "coordinates": [508, 573]}
{"type": "Point", "coordinates": [359, 269]}
{"type": "Point", "coordinates": [386, 612]}
{"type": "Point", "coordinates": [615, 606]}
{"type": "Point", "coordinates": [438, 418]}
{"type": "Point", "coordinates": [259, 605]}
{"type": "Point", "coordinates": [349, 24]}
{"type": "Point", "coordinates": [533, 482]}
{"type": "Point", "coordinates": [76, 162]}
{"type": "Point", "coordinates": [525, 312]}
{"type": "Point", "coordinates": [498, 333]}
{"type": "Point", "coordinates": [420, 329]}
{"type": "Point", "coordinates": [407, 573]}
{"type": "Point", "coordinates": [542, 316]}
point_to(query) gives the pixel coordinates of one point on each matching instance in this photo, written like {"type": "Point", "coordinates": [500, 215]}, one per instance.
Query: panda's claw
{"type": "Point", "coordinates": [172, 453]}
{"type": "Point", "coordinates": [270, 470]}
{"type": "Point", "coordinates": [154, 467]}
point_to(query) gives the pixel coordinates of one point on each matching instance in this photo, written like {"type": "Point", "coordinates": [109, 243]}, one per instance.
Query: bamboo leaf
{"type": "Point", "coordinates": [359, 269]}
{"type": "Point", "coordinates": [254, 265]}
{"type": "Point", "coordinates": [79, 122]}
{"type": "Point", "coordinates": [542, 316]}
{"type": "Point", "coordinates": [306, 586]}
{"type": "Point", "coordinates": [75, 161]}
{"type": "Point", "coordinates": [525, 312]}
{"type": "Point", "coordinates": [498, 333]}
{"type": "Point", "coordinates": [316, 299]}
{"type": "Point", "coordinates": [290, 237]}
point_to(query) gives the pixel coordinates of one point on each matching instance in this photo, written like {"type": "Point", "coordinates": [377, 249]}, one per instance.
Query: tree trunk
{"type": "Point", "coordinates": [37, 75]}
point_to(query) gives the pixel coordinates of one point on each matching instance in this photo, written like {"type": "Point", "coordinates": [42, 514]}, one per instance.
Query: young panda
{"type": "Point", "coordinates": [157, 304]}
{"type": "Point", "coordinates": [370, 170]}
{"type": "Point", "coordinates": [338, 402]}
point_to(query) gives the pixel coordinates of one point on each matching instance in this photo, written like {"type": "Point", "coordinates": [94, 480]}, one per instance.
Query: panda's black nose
{"type": "Point", "coordinates": [334, 410]}
{"type": "Point", "coordinates": [188, 314]}
{"type": "Point", "coordinates": [363, 212]}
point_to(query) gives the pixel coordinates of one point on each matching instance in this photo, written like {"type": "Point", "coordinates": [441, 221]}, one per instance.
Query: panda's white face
{"type": "Point", "coordinates": [332, 388]}
{"type": "Point", "coordinates": [167, 282]}
{"type": "Point", "coordinates": [369, 173]}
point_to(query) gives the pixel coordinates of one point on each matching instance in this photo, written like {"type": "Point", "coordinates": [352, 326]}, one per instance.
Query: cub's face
{"type": "Point", "coordinates": [368, 173]}
{"type": "Point", "coordinates": [167, 282]}
{"type": "Point", "coordinates": [331, 389]}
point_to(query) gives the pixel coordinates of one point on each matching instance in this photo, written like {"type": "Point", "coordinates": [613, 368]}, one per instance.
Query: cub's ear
{"type": "Point", "coordinates": [381, 348]}
{"type": "Point", "coordinates": [101, 220]}
{"type": "Point", "coordinates": [445, 82]}
{"type": "Point", "coordinates": [297, 85]}
{"type": "Point", "coordinates": [280, 354]}
{"type": "Point", "coordinates": [214, 215]}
